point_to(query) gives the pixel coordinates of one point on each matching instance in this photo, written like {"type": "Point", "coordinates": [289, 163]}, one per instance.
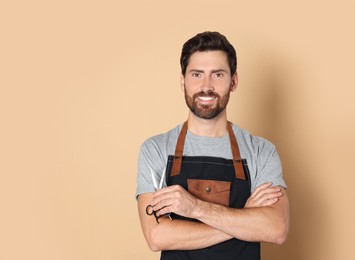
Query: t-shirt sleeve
{"type": "Point", "coordinates": [150, 161]}
{"type": "Point", "coordinates": [269, 168]}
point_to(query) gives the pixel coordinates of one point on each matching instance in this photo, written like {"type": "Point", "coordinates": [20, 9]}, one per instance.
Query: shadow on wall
{"type": "Point", "coordinates": [272, 110]}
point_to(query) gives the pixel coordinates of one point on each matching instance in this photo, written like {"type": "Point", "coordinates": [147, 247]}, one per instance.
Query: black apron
{"type": "Point", "coordinates": [218, 180]}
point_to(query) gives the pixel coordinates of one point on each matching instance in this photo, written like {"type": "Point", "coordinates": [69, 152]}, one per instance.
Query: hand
{"type": "Point", "coordinates": [264, 195]}
{"type": "Point", "coordinates": [174, 199]}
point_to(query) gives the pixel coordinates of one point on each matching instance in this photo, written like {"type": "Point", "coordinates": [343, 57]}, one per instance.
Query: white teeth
{"type": "Point", "coordinates": [206, 98]}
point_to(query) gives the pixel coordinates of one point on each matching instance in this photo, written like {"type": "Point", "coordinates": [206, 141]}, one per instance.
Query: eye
{"type": "Point", "coordinates": [196, 74]}
{"type": "Point", "coordinates": [218, 75]}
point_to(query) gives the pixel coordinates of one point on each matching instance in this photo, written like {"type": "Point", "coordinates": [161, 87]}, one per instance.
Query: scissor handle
{"type": "Point", "coordinates": [149, 210]}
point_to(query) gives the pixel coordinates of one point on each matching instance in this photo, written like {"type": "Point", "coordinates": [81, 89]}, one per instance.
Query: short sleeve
{"type": "Point", "coordinates": [269, 168]}
{"type": "Point", "coordinates": [150, 161]}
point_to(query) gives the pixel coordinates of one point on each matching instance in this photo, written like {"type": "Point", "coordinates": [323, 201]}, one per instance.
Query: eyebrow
{"type": "Point", "coordinates": [194, 70]}
{"type": "Point", "coordinates": [213, 71]}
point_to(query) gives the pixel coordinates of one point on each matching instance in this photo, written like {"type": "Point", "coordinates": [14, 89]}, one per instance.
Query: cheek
{"type": "Point", "coordinates": [190, 88]}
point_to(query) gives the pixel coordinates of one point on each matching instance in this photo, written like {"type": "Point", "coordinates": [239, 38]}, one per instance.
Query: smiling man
{"type": "Point", "coordinates": [224, 191]}
{"type": "Point", "coordinates": [207, 72]}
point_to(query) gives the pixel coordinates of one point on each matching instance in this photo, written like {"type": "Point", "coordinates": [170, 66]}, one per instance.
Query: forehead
{"type": "Point", "coordinates": [208, 60]}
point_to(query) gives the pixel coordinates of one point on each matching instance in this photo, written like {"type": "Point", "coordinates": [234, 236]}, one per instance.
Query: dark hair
{"type": "Point", "coordinates": [208, 41]}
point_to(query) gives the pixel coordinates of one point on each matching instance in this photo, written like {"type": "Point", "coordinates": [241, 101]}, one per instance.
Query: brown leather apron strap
{"type": "Point", "coordinates": [237, 160]}
{"type": "Point", "coordinates": [179, 149]}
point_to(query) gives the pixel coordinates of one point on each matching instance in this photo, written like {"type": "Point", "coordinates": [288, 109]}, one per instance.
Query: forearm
{"type": "Point", "coordinates": [259, 223]}
{"type": "Point", "coordinates": [176, 234]}
{"type": "Point", "coordinates": [183, 235]}
{"type": "Point", "coordinates": [266, 224]}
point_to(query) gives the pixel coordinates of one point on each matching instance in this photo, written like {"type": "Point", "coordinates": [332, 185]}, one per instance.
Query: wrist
{"type": "Point", "coordinates": [199, 209]}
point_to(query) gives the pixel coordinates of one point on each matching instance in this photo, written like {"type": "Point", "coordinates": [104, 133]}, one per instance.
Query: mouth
{"type": "Point", "coordinates": [206, 98]}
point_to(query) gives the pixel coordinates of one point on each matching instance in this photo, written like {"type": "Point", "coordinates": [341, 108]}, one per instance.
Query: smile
{"type": "Point", "coordinates": [206, 98]}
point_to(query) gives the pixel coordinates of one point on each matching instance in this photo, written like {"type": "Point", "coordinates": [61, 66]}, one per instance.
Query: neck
{"type": "Point", "coordinates": [215, 127]}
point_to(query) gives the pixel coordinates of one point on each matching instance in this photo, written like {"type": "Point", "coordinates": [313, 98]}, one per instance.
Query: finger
{"type": "Point", "coordinates": [165, 190]}
{"type": "Point", "coordinates": [265, 198]}
{"type": "Point", "coordinates": [162, 204]}
{"type": "Point", "coordinates": [263, 191]}
{"type": "Point", "coordinates": [270, 195]}
{"type": "Point", "coordinates": [269, 202]}
{"type": "Point", "coordinates": [176, 192]}
{"type": "Point", "coordinates": [165, 206]}
{"type": "Point", "coordinates": [163, 211]}
{"type": "Point", "coordinates": [268, 190]}
{"type": "Point", "coordinates": [164, 197]}
{"type": "Point", "coordinates": [261, 187]}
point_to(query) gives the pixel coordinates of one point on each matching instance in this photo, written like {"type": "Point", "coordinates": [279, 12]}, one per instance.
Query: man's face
{"type": "Point", "coordinates": [207, 83]}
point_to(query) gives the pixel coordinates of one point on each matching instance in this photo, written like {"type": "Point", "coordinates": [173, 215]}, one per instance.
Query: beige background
{"type": "Point", "coordinates": [84, 83]}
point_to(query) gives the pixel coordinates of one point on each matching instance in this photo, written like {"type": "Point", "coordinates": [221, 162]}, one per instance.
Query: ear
{"type": "Point", "coordinates": [234, 82]}
{"type": "Point", "coordinates": [182, 82]}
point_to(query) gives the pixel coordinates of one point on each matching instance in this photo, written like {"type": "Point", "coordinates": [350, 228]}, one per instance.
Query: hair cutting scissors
{"type": "Point", "coordinates": [149, 209]}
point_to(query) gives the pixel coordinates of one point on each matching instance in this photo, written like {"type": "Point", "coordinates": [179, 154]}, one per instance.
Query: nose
{"type": "Point", "coordinates": [207, 85]}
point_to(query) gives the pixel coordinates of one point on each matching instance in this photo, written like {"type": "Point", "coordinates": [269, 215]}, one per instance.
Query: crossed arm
{"type": "Point", "coordinates": [265, 217]}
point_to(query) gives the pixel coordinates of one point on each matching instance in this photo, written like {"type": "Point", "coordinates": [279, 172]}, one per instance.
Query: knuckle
{"type": "Point", "coordinates": [177, 187]}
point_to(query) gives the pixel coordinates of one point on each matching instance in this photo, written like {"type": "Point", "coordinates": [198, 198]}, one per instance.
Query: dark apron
{"type": "Point", "coordinates": [218, 180]}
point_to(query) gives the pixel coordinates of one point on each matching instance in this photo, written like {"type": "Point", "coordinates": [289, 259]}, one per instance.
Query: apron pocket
{"type": "Point", "coordinates": [210, 190]}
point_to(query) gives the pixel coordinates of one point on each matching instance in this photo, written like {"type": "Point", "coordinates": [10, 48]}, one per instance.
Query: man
{"type": "Point", "coordinates": [225, 193]}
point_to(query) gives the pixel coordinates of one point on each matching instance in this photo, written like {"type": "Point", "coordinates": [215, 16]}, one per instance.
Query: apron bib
{"type": "Point", "coordinates": [218, 180]}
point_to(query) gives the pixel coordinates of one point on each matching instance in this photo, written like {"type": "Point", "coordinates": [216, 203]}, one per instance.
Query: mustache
{"type": "Point", "coordinates": [209, 93]}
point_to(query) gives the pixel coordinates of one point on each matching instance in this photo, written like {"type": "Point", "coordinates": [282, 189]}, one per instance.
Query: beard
{"type": "Point", "coordinates": [206, 111]}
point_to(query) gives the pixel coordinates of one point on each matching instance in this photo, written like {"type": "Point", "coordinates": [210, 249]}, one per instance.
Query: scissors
{"type": "Point", "coordinates": [149, 209]}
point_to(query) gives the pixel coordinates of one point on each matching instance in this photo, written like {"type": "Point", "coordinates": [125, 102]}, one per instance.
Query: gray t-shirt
{"type": "Point", "coordinates": [263, 160]}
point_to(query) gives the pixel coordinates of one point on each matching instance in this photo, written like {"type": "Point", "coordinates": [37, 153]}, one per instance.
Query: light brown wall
{"type": "Point", "coordinates": [84, 83]}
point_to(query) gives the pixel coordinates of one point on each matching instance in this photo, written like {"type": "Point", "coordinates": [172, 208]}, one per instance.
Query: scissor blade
{"type": "Point", "coordinates": [154, 180]}
{"type": "Point", "coordinates": [162, 179]}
